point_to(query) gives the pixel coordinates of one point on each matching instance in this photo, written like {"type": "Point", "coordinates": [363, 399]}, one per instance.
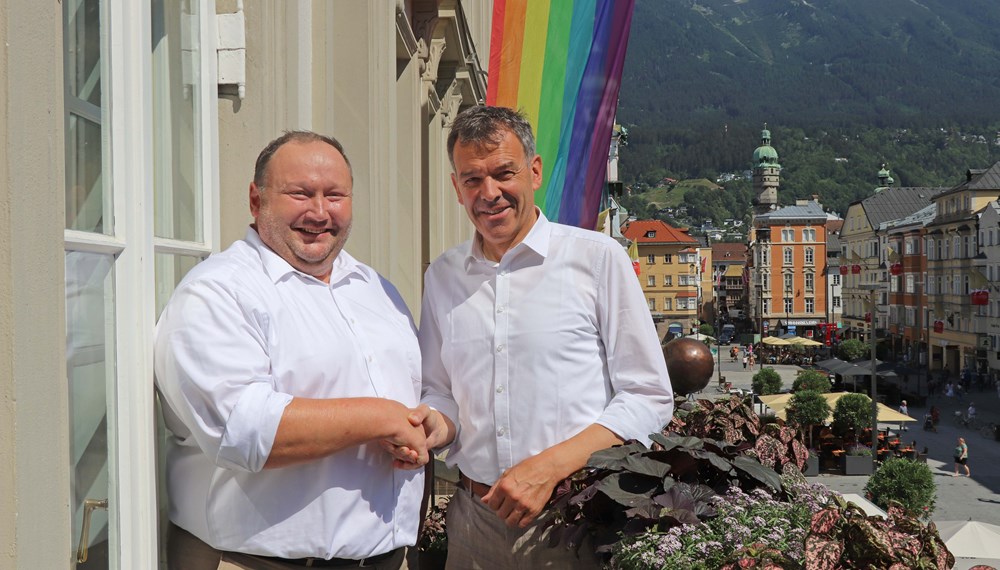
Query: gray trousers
{"type": "Point", "coordinates": [479, 540]}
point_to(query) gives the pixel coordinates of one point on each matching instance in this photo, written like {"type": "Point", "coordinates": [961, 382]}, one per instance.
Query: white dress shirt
{"type": "Point", "coordinates": [523, 354]}
{"type": "Point", "coordinates": [242, 335]}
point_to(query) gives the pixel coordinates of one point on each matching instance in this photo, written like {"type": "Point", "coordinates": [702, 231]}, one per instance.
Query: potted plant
{"type": "Point", "coordinates": [432, 545]}
{"type": "Point", "coordinates": [807, 409]}
{"type": "Point", "coordinates": [811, 380]}
{"type": "Point", "coordinates": [852, 412]}
{"type": "Point", "coordinates": [857, 460]}
{"type": "Point", "coordinates": [765, 382]}
{"type": "Point", "coordinates": [907, 482]}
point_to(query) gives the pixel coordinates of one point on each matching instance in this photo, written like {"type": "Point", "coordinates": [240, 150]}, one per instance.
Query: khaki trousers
{"type": "Point", "coordinates": [185, 551]}
{"type": "Point", "coordinates": [479, 540]}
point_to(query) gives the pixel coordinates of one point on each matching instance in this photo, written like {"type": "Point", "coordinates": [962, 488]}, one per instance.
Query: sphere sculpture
{"type": "Point", "coordinates": [689, 364]}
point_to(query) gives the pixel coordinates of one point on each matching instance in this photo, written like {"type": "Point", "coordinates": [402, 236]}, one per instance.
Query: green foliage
{"type": "Point", "coordinates": [706, 329]}
{"type": "Point", "coordinates": [909, 483]}
{"type": "Point", "coordinates": [843, 536]}
{"type": "Point", "coordinates": [808, 408]}
{"type": "Point", "coordinates": [853, 349]}
{"type": "Point", "coordinates": [812, 380]}
{"type": "Point", "coordinates": [853, 411]}
{"type": "Point", "coordinates": [765, 382]}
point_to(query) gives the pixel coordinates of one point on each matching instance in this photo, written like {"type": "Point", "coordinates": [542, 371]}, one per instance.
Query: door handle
{"type": "Point", "coordinates": [88, 509]}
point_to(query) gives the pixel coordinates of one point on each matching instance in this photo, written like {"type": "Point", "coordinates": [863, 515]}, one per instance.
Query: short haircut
{"type": "Point", "coordinates": [264, 158]}
{"type": "Point", "coordinates": [484, 127]}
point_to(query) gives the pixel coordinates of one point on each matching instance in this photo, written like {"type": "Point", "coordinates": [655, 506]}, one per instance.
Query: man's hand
{"type": "Point", "coordinates": [520, 494]}
{"type": "Point", "coordinates": [437, 429]}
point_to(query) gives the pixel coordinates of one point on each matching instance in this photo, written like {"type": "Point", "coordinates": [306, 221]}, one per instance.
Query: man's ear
{"type": "Point", "coordinates": [458, 193]}
{"type": "Point", "coordinates": [254, 200]}
{"type": "Point", "coordinates": [536, 172]}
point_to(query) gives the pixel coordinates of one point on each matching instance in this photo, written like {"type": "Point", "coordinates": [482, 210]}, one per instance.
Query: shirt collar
{"type": "Point", "coordinates": [537, 240]}
{"type": "Point", "coordinates": [276, 268]}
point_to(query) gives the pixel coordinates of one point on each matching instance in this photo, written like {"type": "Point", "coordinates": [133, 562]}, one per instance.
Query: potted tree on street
{"type": "Point", "coordinates": [808, 408]}
{"type": "Point", "coordinates": [853, 413]}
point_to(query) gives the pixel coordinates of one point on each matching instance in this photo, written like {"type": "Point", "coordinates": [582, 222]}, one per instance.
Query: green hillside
{"type": "Point", "coordinates": [843, 86]}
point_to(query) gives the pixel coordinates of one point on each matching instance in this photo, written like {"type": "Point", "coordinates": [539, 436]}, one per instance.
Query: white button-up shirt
{"type": "Point", "coordinates": [242, 335]}
{"type": "Point", "coordinates": [523, 354]}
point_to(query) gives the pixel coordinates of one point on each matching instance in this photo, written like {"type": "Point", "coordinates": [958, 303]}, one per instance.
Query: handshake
{"type": "Point", "coordinates": [423, 430]}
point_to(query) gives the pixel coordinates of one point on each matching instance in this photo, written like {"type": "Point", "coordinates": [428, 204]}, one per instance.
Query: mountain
{"type": "Point", "coordinates": [846, 79]}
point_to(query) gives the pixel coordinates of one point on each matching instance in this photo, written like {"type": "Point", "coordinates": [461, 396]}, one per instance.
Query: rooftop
{"type": "Point", "coordinates": [639, 231]}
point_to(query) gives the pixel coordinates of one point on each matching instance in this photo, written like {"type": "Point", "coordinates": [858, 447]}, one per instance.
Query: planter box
{"type": "Point", "coordinates": [812, 465]}
{"type": "Point", "coordinates": [856, 464]}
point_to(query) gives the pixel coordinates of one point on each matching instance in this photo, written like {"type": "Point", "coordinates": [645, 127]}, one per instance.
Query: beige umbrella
{"type": "Point", "coordinates": [804, 341]}
{"type": "Point", "coordinates": [778, 403]}
{"type": "Point", "coordinates": [775, 341]}
{"type": "Point", "coordinates": [970, 539]}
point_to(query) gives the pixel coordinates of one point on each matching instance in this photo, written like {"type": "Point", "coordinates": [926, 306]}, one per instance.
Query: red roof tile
{"type": "Point", "coordinates": [665, 233]}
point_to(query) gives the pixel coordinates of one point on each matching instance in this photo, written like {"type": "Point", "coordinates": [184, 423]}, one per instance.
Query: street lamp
{"type": "Point", "coordinates": [874, 288]}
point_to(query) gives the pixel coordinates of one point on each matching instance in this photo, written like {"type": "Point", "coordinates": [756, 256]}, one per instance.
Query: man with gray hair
{"type": "Point", "coordinates": [538, 350]}
{"type": "Point", "coordinates": [282, 363]}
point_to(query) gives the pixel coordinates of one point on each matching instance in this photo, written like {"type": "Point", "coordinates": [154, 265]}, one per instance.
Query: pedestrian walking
{"type": "Point", "coordinates": [745, 359]}
{"type": "Point", "coordinates": [962, 457]}
{"type": "Point", "coordinates": [905, 411]}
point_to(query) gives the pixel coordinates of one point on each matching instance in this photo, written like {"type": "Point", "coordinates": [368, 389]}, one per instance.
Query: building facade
{"type": "Point", "coordinates": [143, 146]}
{"type": "Point", "coordinates": [864, 256]}
{"type": "Point", "coordinates": [789, 280]}
{"type": "Point", "coordinates": [959, 335]}
{"type": "Point", "coordinates": [670, 274]}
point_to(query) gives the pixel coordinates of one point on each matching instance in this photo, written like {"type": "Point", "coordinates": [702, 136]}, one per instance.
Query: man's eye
{"type": "Point", "coordinates": [471, 182]}
{"type": "Point", "coordinates": [505, 175]}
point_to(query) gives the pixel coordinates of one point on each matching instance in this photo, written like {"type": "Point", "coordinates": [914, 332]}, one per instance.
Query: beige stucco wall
{"type": "Point", "coordinates": [352, 78]}
{"type": "Point", "coordinates": [34, 452]}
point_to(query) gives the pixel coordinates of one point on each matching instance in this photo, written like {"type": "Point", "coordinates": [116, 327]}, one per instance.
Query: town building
{"type": "Point", "coordinates": [136, 124]}
{"type": "Point", "coordinates": [728, 262]}
{"type": "Point", "coordinates": [670, 272]}
{"type": "Point", "coordinates": [766, 172]}
{"type": "Point", "coordinates": [987, 262]}
{"type": "Point", "coordinates": [959, 335]}
{"type": "Point", "coordinates": [863, 257]}
{"type": "Point", "coordinates": [832, 330]}
{"type": "Point", "coordinates": [788, 250]}
{"type": "Point", "coordinates": [908, 326]}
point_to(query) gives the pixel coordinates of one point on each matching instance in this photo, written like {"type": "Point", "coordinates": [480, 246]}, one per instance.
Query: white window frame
{"type": "Point", "coordinates": [128, 169]}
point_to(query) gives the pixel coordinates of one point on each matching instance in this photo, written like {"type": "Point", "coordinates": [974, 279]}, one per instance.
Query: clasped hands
{"type": "Point", "coordinates": [518, 496]}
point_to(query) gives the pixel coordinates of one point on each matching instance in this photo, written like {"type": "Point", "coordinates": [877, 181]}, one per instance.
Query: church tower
{"type": "Point", "coordinates": [766, 171]}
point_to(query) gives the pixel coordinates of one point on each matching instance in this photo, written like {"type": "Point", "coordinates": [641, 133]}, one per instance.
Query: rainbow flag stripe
{"type": "Point", "coordinates": [560, 62]}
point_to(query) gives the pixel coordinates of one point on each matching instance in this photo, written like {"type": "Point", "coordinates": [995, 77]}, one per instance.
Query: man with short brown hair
{"type": "Point", "coordinates": [281, 363]}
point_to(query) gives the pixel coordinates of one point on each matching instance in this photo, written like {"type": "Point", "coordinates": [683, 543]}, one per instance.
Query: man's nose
{"type": "Point", "coordinates": [490, 190]}
{"type": "Point", "coordinates": [318, 206]}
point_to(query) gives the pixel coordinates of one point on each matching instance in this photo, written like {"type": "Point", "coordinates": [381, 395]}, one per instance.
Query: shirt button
{"type": "Point", "coordinates": [500, 309]}
{"type": "Point", "coordinates": [370, 358]}
{"type": "Point", "coordinates": [499, 389]}
{"type": "Point", "coordinates": [501, 431]}
{"type": "Point", "coordinates": [500, 348]}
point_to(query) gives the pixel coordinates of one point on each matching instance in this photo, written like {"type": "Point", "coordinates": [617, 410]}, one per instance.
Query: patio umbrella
{"type": "Point", "coordinates": [778, 403]}
{"type": "Point", "coordinates": [970, 539]}
{"type": "Point", "coordinates": [804, 341]}
{"type": "Point", "coordinates": [775, 341]}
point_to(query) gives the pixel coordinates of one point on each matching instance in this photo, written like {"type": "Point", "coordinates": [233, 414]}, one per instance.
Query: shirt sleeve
{"type": "Point", "coordinates": [643, 400]}
{"type": "Point", "coordinates": [436, 388]}
{"type": "Point", "coordinates": [212, 371]}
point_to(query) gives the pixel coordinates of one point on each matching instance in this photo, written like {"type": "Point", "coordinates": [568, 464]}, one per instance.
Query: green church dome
{"type": "Point", "coordinates": [765, 156]}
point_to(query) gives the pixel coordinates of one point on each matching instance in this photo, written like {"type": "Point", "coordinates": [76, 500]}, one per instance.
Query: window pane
{"type": "Point", "coordinates": [90, 372]}
{"type": "Point", "coordinates": [87, 202]}
{"type": "Point", "coordinates": [83, 50]}
{"type": "Point", "coordinates": [170, 269]}
{"type": "Point", "coordinates": [176, 116]}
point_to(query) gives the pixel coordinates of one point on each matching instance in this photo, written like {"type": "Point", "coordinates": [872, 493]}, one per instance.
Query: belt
{"type": "Point", "coordinates": [475, 487]}
{"type": "Point", "coordinates": [333, 562]}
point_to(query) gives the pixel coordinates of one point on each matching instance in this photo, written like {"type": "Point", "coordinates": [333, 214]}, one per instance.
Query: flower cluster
{"type": "Point", "coordinates": [433, 537]}
{"type": "Point", "coordinates": [744, 520]}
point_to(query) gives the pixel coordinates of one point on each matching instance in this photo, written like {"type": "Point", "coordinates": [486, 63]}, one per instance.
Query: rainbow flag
{"type": "Point", "coordinates": [560, 62]}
